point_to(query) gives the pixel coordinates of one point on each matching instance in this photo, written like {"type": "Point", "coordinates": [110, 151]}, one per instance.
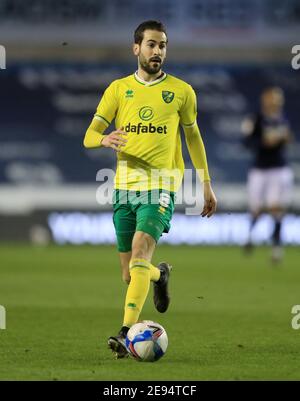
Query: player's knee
{"type": "Point", "coordinates": [142, 245]}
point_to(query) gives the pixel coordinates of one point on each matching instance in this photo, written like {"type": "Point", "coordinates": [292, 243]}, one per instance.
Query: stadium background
{"type": "Point", "coordinates": [60, 56]}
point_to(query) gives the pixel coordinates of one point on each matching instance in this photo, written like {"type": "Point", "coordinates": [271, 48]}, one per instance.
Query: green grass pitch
{"type": "Point", "coordinates": [229, 319]}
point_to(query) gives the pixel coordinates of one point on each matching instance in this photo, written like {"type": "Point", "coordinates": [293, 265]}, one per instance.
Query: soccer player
{"type": "Point", "coordinates": [270, 179]}
{"type": "Point", "coordinates": [148, 107]}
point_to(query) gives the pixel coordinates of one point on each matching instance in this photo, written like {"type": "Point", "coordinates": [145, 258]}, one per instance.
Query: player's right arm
{"type": "Point", "coordinates": [95, 137]}
{"type": "Point", "coordinates": [95, 134]}
{"type": "Point", "coordinates": [106, 112]}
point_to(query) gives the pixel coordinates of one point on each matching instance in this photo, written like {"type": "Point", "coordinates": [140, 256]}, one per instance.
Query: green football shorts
{"type": "Point", "coordinates": [147, 211]}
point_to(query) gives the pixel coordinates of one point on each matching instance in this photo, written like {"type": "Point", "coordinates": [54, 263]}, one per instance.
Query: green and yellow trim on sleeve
{"type": "Point", "coordinates": [189, 125]}
{"type": "Point", "coordinates": [101, 118]}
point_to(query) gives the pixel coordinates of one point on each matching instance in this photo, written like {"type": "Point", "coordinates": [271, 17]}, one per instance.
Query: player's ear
{"type": "Point", "coordinates": [135, 49]}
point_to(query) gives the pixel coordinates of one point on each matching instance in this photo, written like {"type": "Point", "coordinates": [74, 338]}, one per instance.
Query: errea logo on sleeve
{"type": "Point", "coordinates": [2, 58]}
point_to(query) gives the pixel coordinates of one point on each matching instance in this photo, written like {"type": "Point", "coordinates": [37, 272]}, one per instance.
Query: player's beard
{"type": "Point", "coordinates": [150, 67]}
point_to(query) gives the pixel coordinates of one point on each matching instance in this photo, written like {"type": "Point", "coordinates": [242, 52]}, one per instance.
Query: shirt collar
{"type": "Point", "coordinates": [146, 83]}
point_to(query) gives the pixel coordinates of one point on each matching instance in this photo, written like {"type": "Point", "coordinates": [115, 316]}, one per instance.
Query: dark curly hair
{"type": "Point", "coordinates": [150, 24]}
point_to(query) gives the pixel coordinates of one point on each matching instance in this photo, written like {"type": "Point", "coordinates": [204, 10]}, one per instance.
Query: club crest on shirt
{"type": "Point", "coordinates": [167, 96]}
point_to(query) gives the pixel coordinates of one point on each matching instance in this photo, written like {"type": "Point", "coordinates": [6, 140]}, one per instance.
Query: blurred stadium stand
{"type": "Point", "coordinates": [62, 54]}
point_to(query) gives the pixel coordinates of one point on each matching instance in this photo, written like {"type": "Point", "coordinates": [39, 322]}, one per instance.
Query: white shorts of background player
{"type": "Point", "coordinates": [269, 188]}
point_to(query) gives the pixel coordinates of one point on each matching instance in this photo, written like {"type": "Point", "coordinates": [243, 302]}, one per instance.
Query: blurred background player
{"type": "Point", "coordinates": [270, 178]}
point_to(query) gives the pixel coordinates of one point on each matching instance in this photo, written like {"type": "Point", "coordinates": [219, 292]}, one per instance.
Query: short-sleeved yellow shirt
{"type": "Point", "coordinates": [151, 114]}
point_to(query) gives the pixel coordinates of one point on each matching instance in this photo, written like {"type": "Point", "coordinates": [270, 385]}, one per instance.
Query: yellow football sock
{"type": "Point", "coordinates": [154, 273]}
{"type": "Point", "coordinates": [137, 290]}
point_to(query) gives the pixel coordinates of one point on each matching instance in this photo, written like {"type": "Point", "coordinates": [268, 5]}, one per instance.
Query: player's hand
{"type": "Point", "coordinates": [210, 201]}
{"type": "Point", "coordinates": [115, 140]}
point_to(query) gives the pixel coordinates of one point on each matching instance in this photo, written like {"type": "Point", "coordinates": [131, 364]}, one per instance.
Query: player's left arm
{"type": "Point", "coordinates": [197, 153]}
{"type": "Point", "coordinates": [188, 120]}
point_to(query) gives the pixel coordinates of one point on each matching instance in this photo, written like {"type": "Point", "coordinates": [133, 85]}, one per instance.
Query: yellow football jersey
{"type": "Point", "coordinates": [151, 114]}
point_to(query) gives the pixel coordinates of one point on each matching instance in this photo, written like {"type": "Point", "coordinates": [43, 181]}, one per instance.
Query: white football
{"type": "Point", "coordinates": [147, 341]}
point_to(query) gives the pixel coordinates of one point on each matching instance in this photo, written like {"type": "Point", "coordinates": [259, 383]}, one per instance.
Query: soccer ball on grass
{"type": "Point", "coordinates": [147, 341]}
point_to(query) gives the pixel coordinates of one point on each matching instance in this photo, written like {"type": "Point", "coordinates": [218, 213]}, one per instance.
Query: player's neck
{"type": "Point", "coordinates": [148, 77]}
